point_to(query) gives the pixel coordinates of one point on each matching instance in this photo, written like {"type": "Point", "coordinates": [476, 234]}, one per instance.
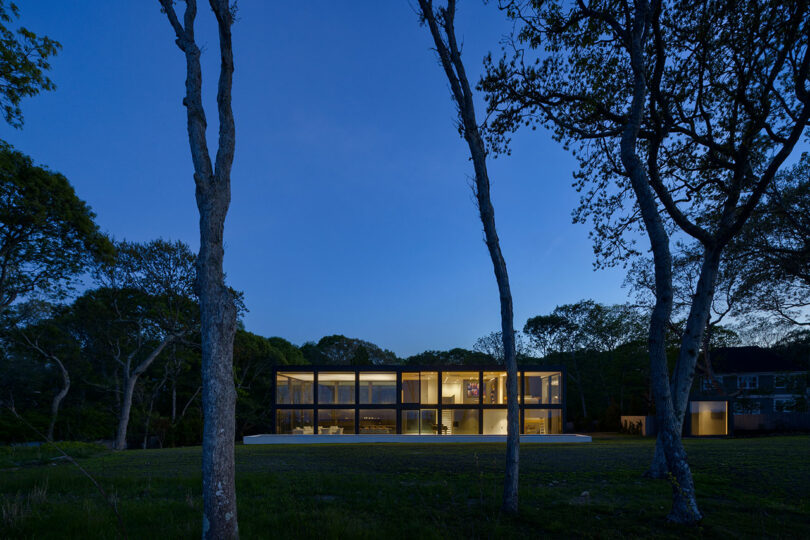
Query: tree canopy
{"type": "Point", "coordinates": [47, 233]}
{"type": "Point", "coordinates": [24, 61]}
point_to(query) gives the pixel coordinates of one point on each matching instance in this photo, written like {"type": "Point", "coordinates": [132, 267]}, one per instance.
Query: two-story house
{"type": "Point", "coordinates": [748, 389]}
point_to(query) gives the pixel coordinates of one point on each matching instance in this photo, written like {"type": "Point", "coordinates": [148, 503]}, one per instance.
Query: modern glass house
{"type": "Point", "coordinates": [411, 400]}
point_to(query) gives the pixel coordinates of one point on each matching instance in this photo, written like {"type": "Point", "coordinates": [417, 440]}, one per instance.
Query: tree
{"type": "Point", "coordinates": [562, 332]}
{"type": "Point", "coordinates": [773, 250]}
{"type": "Point", "coordinates": [692, 111]}
{"type": "Point", "coordinates": [47, 234]}
{"type": "Point", "coordinates": [254, 357]}
{"type": "Point", "coordinates": [595, 343]}
{"type": "Point", "coordinates": [453, 357]}
{"type": "Point", "coordinates": [217, 302]}
{"type": "Point", "coordinates": [441, 25]}
{"type": "Point", "coordinates": [44, 331]}
{"type": "Point", "coordinates": [340, 350]}
{"type": "Point", "coordinates": [148, 305]}
{"type": "Point", "coordinates": [24, 59]}
{"type": "Point", "coordinates": [492, 346]}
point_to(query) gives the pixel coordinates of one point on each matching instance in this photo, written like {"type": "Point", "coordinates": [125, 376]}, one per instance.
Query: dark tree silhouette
{"type": "Point", "coordinates": [217, 302]}
{"type": "Point", "coordinates": [440, 22]}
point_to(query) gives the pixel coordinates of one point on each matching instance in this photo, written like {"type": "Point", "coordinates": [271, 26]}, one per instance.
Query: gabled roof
{"type": "Point", "coordinates": [751, 360]}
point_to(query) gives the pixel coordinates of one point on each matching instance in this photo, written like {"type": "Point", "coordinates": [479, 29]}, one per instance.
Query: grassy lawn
{"type": "Point", "coordinates": [746, 488]}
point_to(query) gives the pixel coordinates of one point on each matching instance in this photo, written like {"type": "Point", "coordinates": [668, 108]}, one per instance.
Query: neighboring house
{"type": "Point", "coordinates": [748, 389]}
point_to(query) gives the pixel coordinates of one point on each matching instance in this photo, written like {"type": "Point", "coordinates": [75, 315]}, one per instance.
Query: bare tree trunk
{"type": "Point", "coordinates": [450, 57]}
{"type": "Point", "coordinates": [684, 373]}
{"type": "Point", "coordinates": [131, 379]}
{"type": "Point", "coordinates": [684, 505]}
{"type": "Point", "coordinates": [217, 306]}
{"type": "Point", "coordinates": [57, 399]}
{"type": "Point", "coordinates": [123, 415]}
{"type": "Point", "coordinates": [174, 401]}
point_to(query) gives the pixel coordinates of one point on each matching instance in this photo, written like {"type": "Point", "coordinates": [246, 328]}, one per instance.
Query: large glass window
{"type": "Point", "coordinates": [410, 388]}
{"type": "Point", "coordinates": [378, 388]}
{"type": "Point", "coordinates": [428, 422]}
{"type": "Point", "coordinates": [542, 421]}
{"type": "Point", "coordinates": [460, 387]}
{"type": "Point", "coordinates": [378, 421]}
{"type": "Point", "coordinates": [294, 421]}
{"type": "Point", "coordinates": [495, 387]}
{"type": "Point", "coordinates": [336, 388]}
{"type": "Point", "coordinates": [410, 422]}
{"type": "Point", "coordinates": [495, 422]}
{"type": "Point", "coordinates": [709, 417]}
{"type": "Point", "coordinates": [420, 387]}
{"type": "Point", "coordinates": [294, 388]}
{"type": "Point", "coordinates": [542, 388]}
{"type": "Point", "coordinates": [462, 421]}
{"type": "Point", "coordinates": [421, 422]}
{"type": "Point", "coordinates": [335, 421]}
{"type": "Point", "coordinates": [429, 391]}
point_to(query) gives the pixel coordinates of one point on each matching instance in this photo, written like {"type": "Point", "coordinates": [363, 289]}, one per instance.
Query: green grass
{"type": "Point", "coordinates": [746, 488]}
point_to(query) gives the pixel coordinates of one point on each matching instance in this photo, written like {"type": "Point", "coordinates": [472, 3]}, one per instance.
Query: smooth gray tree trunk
{"type": "Point", "coordinates": [217, 303]}
{"type": "Point", "coordinates": [450, 57]}
{"type": "Point", "coordinates": [130, 381]}
{"type": "Point", "coordinates": [57, 399]}
{"type": "Point", "coordinates": [692, 338]}
{"type": "Point", "coordinates": [684, 506]}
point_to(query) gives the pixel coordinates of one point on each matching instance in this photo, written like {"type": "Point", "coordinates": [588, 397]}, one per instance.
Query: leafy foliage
{"type": "Point", "coordinates": [47, 234]}
{"type": "Point", "coordinates": [24, 59]}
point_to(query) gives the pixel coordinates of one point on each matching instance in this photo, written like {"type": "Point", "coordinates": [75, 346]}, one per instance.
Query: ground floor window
{"type": "Point", "coordinates": [784, 405]}
{"type": "Point", "coordinates": [542, 421]}
{"type": "Point", "coordinates": [459, 422]}
{"type": "Point", "coordinates": [294, 421]}
{"type": "Point", "coordinates": [335, 421]}
{"type": "Point", "coordinates": [378, 421]}
{"type": "Point", "coordinates": [747, 407]}
{"type": "Point", "coordinates": [419, 422]}
{"type": "Point", "coordinates": [709, 417]}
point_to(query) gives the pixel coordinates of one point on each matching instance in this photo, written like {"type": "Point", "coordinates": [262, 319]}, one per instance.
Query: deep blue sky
{"type": "Point", "coordinates": [351, 209]}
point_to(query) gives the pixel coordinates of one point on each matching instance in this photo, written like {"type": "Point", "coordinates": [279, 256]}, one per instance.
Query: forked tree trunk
{"type": "Point", "coordinates": [57, 399]}
{"type": "Point", "coordinates": [450, 57]}
{"type": "Point", "coordinates": [684, 504]}
{"type": "Point", "coordinates": [130, 380]}
{"type": "Point", "coordinates": [692, 338]}
{"type": "Point", "coordinates": [217, 305]}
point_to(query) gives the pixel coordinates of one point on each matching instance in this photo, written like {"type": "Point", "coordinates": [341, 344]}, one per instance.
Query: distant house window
{"type": "Point", "coordinates": [783, 405]}
{"type": "Point", "coordinates": [747, 382]}
{"type": "Point", "coordinates": [780, 381]}
{"type": "Point", "coordinates": [747, 407]}
{"type": "Point", "coordinates": [705, 384]}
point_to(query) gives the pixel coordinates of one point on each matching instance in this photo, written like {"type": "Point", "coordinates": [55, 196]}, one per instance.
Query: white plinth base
{"type": "Point", "coordinates": [364, 439]}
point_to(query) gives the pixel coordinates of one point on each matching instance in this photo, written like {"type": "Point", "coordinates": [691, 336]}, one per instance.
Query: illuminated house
{"type": "Point", "coordinates": [408, 400]}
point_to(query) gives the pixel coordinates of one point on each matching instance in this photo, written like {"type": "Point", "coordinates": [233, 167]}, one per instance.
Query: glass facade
{"type": "Point", "coordinates": [378, 421]}
{"type": "Point", "coordinates": [542, 422]}
{"type": "Point", "coordinates": [542, 387]}
{"type": "Point", "coordinates": [335, 421]}
{"type": "Point", "coordinates": [336, 388]}
{"type": "Point", "coordinates": [460, 387]}
{"type": "Point", "coordinates": [294, 388]}
{"type": "Point", "coordinates": [414, 401]}
{"type": "Point", "coordinates": [378, 388]}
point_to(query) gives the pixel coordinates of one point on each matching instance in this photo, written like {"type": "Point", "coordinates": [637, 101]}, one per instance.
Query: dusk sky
{"type": "Point", "coordinates": [351, 209]}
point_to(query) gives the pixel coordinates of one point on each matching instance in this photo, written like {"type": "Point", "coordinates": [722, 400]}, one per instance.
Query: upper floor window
{"type": "Point", "coordinates": [747, 407]}
{"type": "Point", "coordinates": [747, 382]}
{"type": "Point", "coordinates": [780, 381]}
